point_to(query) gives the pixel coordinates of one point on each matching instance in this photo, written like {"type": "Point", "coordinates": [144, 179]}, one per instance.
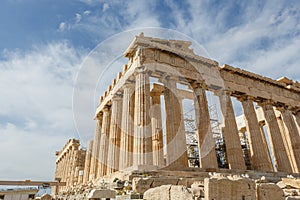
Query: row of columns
{"type": "Point", "coordinates": [127, 136]}
{"type": "Point", "coordinates": [282, 133]}
{"type": "Point", "coordinates": [70, 165]}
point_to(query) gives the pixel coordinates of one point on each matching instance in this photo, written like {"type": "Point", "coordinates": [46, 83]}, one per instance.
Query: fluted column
{"type": "Point", "coordinates": [142, 147]}
{"type": "Point", "coordinates": [206, 142]}
{"type": "Point", "coordinates": [68, 167]}
{"type": "Point", "coordinates": [64, 169]}
{"type": "Point", "coordinates": [74, 163]}
{"type": "Point", "coordinates": [287, 142]}
{"type": "Point", "coordinates": [157, 135]}
{"type": "Point", "coordinates": [232, 141]}
{"type": "Point", "coordinates": [127, 129]}
{"type": "Point", "coordinates": [281, 160]}
{"type": "Point", "coordinates": [104, 143]}
{"type": "Point", "coordinates": [293, 137]}
{"type": "Point", "coordinates": [87, 164]}
{"type": "Point", "coordinates": [115, 134]}
{"type": "Point", "coordinates": [259, 157]}
{"type": "Point", "coordinates": [265, 143]}
{"type": "Point", "coordinates": [175, 133]}
{"type": "Point", "coordinates": [95, 151]}
{"type": "Point", "coordinates": [79, 172]}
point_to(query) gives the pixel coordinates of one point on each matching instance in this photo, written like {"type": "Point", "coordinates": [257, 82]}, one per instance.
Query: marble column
{"type": "Point", "coordinates": [74, 163]}
{"type": "Point", "coordinates": [102, 169]}
{"type": "Point", "coordinates": [142, 145]}
{"type": "Point", "coordinates": [281, 160]}
{"type": "Point", "coordinates": [259, 157]}
{"type": "Point", "coordinates": [265, 143]}
{"type": "Point", "coordinates": [64, 169]}
{"type": "Point", "coordinates": [95, 151]}
{"type": "Point", "coordinates": [175, 134]}
{"type": "Point", "coordinates": [232, 141]}
{"type": "Point", "coordinates": [293, 137]}
{"type": "Point", "coordinates": [68, 166]}
{"type": "Point", "coordinates": [127, 128]}
{"type": "Point", "coordinates": [287, 142]}
{"type": "Point", "coordinates": [87, 164]}
{"type": "Point", "coordinates": [79, 175]}
{"type": "Point", "coordinates": [157, 135]}
{"type": "Point", "coordinates": [115, 134]}
{"type": "Point", "coordinates": [206, 142]}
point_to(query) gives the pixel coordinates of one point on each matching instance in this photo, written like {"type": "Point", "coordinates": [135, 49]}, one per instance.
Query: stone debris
{"type": "Point", "coordinates": [102, 193]}
{"type": "Point", "coordinates": [169, 192]}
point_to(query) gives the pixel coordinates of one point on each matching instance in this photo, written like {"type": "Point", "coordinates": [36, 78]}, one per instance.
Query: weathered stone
{"type": "Point", "coordinates": [198, 189]}
{"type": "Point", "coordinates": [179, 192]}
{"type": "Point", "coordinates": [164, 181]}
{"type": "Point", "coordinates": [103, 193]}
{"type": "Point", "coordinates": [157, 193]}
{"type": "Point", "coordinates": [291, 192]}
{"type": "Point", "coordinates": [168, 192]}
{"type": "Point", "coordinates": [295, 183]}
{"type": "Point", "coordinates": [224, 188]}
{"type": "Point", "coordinates": [140, 185]}
{"type": "Point", "coordinates": [267, 191]}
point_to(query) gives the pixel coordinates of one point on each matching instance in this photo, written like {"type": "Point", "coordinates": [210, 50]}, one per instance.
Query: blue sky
{"type": "Point", "coordinates": [43, 44]}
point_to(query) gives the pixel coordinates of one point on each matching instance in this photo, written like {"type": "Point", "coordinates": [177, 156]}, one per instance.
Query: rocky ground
{"type": "Point", "coordinates": [217, 186]}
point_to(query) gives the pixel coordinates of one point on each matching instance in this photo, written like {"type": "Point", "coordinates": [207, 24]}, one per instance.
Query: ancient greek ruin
{"type": "Point", "coordinates": [142, 148]}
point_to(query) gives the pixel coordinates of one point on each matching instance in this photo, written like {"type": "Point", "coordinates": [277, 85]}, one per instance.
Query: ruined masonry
{"type": "Point", "coordinates": [140, 133]}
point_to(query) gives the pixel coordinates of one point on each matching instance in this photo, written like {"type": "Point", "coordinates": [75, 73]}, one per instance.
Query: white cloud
{"type": "Point", "coordinates": [105, 7]}
{"type": "Point", "coordinates": [63, 26]}
{"type": "Point", "coordinates": [36, 115]}
{"type": "Point", "coordinates": [87, 12]}
{"type": "Point", "coordinates": [78, 17]}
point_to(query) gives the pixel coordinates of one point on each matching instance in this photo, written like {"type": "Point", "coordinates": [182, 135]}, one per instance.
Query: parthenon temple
{"type": "Point", "coordinates": [140, 122]}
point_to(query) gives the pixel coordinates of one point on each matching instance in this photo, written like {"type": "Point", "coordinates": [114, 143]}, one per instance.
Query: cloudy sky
{"type": "Point", "coordinates": [44, 45]}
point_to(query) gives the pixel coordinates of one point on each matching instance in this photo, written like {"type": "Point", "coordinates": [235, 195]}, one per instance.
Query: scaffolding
{"type": "Point", "coordinates": [192, 138]}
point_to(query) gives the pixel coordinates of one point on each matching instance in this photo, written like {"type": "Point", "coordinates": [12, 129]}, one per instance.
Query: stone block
{"type": "Point", "coordinates": [291, 192]}
{"type": "Point", "coordinates": [266, 191]}
{"type": "Point", "coordinates": [293, 183]}
{"type": "Point", "coordinates": [179, 192]}
{"type": "Point", "coordinates": [164, 181]}
{"type": "Point", "coordinates": [169, 192]}
{"type": "Point", "coordinates": [140, 185]}
{"type": "Point", "coordinates": [102, 193]}
{"type": "Point", "coordinates": [198, 189]}
{"type": "Point", "coordinates": [157, 193]}
{"type": "Point", "coordinates": [224, 188]}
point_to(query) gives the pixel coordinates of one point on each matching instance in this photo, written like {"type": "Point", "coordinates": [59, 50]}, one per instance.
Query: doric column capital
{"type": "Point", "coordinates": [265, 102]}
{"type": "Point", "coordinates": [198, 84]}
{"type": "Point", "coordinates": [141, 69]}
{"type": "Point", "coordinates": [223, 92]}
{"type": "Point", "coordinates": [167, 78]}
{"type": "Point", "coordinates": [245, 98]}
{"type": "Point", "coordinates": [129, 84]}
{"type": "Point", "coordinates": [117, 96]}
{"type": "Point", "coordinates": [106, 109]}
